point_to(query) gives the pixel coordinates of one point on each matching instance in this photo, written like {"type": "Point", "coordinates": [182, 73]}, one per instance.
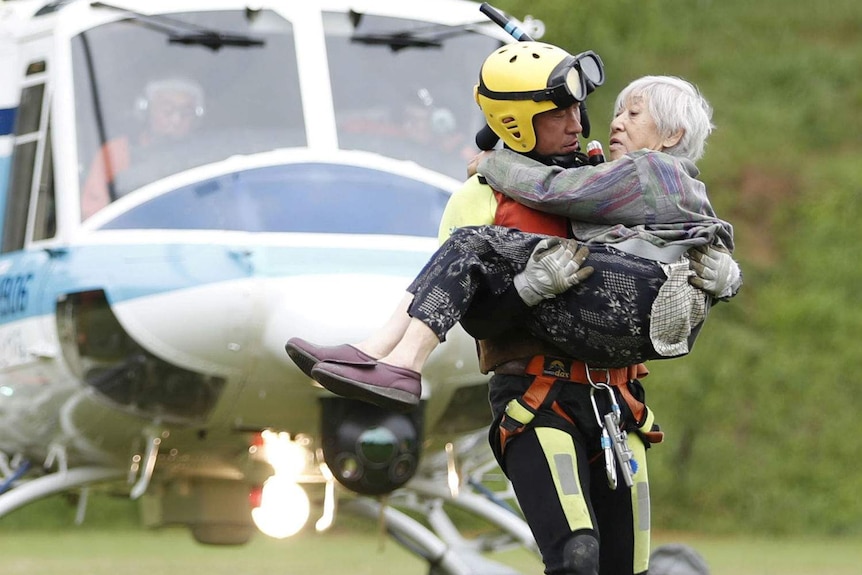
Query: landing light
{"type": "Point", "coordinates": [284, 507]}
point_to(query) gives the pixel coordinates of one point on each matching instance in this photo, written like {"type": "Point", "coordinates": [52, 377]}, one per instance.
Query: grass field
{"type": "Point", "coordinates": [87, 551]}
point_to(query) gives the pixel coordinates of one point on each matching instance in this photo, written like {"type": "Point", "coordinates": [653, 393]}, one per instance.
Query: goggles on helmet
{"type": "Point", "coordinates": [570, 81]}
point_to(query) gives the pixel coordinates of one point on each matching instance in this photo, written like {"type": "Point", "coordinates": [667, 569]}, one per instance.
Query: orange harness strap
{"type": "Point", "coordinates": [538, 392]}
{"type": "Point", "coordinates": [580, 372]}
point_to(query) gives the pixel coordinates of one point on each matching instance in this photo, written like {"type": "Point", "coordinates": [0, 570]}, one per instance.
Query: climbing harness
{"type": "Point", "coordinates": [542, 393]}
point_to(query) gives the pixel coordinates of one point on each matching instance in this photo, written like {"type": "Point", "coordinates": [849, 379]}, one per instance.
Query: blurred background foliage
{"type": "Point", "coordinates": [761, 420]}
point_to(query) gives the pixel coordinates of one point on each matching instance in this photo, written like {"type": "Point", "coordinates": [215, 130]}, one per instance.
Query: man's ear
{"type": "Point", "coordinates": [673, 139]}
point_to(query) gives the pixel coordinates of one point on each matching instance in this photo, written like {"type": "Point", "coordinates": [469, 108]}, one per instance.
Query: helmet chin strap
{"type": "Point", "coordinates": [585, 120]}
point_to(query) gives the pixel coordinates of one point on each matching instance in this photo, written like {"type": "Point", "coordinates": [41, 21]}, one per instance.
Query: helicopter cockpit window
{"type": "Point", "coordinates": [404, 88]}
{"type": "Point", "coordinates": [155, 97]}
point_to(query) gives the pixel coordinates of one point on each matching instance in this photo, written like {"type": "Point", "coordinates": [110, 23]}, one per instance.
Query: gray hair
{"type": "Point", "coordinates": [674, 105]}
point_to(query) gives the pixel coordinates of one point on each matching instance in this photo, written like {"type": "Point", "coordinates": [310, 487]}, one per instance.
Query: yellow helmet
{"type": "Point", "coordinates": [523, 79]}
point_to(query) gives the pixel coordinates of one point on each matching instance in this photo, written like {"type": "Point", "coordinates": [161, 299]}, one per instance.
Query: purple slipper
{"type": "Point", "coordinates": [388, 386]}
{"type": "Point", "coordinates": [305, 354]}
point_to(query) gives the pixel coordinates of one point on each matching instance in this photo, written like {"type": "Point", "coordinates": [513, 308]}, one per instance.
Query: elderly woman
{"type": "Point", "coordinates": [639, 214]}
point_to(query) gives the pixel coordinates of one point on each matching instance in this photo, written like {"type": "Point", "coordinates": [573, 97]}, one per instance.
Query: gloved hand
{"type": "Point", "coordinates": [552, 269]}
{"type": "Point", "coordinates": [717, 273]}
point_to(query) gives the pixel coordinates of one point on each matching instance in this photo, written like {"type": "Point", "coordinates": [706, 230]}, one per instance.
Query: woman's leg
{"type": "Point", "coordinates": [385, 338]}
{"type": "Point", "coordinates": [474, 265]}
{"type": "Point", "coordinates": [306, 355]}
{"type": "Point", "coordinates": [604, 321]}
{"type": "Point", "coordinates": [401, 341]}
{"type": "Point", "coordinates": [412, 350]}
{"type": "Point", "coordinates": [473, 259]}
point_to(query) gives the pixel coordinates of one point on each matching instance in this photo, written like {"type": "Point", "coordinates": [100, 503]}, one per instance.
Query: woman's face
{"type": "Point", "coordinates": [633, 128]}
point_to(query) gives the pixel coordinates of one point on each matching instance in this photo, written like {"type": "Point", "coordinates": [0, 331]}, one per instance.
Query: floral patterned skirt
{"type": "Point", "coordinates": [604, 321]}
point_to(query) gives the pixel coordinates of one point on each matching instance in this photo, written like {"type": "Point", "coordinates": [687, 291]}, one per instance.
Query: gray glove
{"type": "Point", "coordinates": [553, 268]}
{"type": "Point", "coordinates": [717, 273]}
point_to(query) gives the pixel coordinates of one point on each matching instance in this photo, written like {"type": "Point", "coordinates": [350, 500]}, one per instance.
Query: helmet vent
{"type": "Point", "coordinates": [510, 123]}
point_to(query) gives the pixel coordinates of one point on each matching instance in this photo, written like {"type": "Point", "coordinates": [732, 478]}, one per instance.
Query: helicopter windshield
{"type": "Point", "coordinates": [153, 99]}
{"type": "Point", "coordinates": [404, 88]}
{"type": "Point", "coordinates": [157, 95]}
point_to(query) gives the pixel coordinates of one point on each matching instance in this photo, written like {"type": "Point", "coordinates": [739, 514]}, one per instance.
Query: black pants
{"type": "Point", "coordinates": [604, 321]}
{"type": "Point", "coordinates": [562, 494]}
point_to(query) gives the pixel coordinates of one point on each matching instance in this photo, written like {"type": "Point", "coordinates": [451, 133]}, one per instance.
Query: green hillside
{"type": "Point", "coordinates": [761, 418]}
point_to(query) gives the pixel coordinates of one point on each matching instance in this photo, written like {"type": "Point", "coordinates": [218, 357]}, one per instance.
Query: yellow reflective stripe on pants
{"type": "Point", "coordinates": [640, 504]}
{"type": "Point", "coordinates": [560, 453]}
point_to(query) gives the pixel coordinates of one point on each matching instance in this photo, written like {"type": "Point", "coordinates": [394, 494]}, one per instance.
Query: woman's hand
{"type": "Point", "coordinates": [473, 166]}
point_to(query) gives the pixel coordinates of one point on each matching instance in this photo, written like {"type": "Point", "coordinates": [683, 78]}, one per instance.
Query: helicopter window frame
{"type": "Point", "coordinates": [28, 162]}
{"type": "Point", "coordinates": [43, 224]}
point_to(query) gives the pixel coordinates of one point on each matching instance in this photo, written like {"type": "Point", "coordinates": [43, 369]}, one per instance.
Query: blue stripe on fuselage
{"type": "Point", "coordinates": [127, 272]}
{"type": "Point", "coordinates": [7, 120]}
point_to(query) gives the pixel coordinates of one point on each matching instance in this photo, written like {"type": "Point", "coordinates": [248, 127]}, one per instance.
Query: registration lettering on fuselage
{"type": "Point", "coordinates": [14, 293]}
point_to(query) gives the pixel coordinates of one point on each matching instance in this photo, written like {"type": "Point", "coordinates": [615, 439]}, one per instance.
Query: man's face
{"type": "Point", "coordinates": [171, 113]}
{"type": "Point", "coordinates": [557, 131]}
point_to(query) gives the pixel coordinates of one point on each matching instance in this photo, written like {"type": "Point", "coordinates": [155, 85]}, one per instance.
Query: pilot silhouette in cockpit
{"type": "Point", "coordinates": [170, 109]}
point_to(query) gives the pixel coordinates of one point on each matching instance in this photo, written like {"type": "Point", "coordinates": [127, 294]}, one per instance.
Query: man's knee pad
{"type": "Point", "coordinates": [581, 555]}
